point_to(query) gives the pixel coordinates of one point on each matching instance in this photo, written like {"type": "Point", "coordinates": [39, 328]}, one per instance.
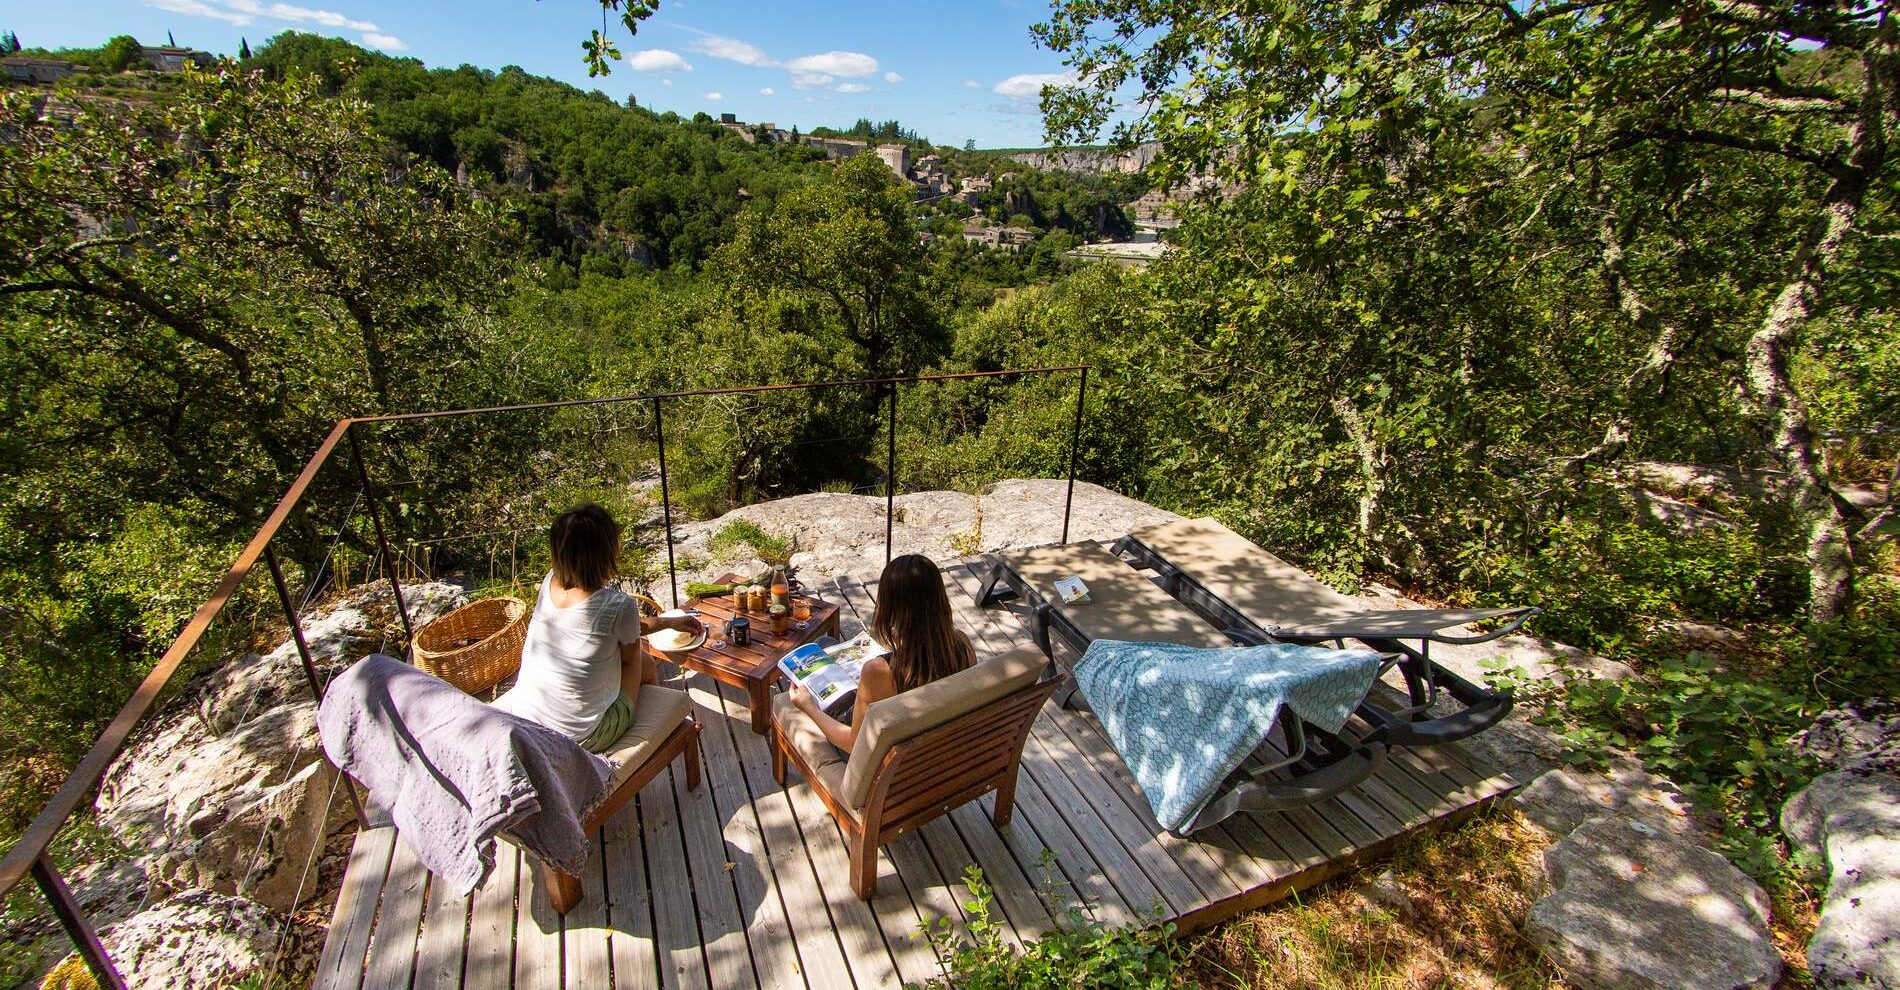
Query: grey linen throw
{"type": "Point", "coordinates": [451, 773]}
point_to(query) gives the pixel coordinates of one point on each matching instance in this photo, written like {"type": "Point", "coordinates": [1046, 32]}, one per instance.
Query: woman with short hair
{"type": "Point", "coordinates": [583, 661]}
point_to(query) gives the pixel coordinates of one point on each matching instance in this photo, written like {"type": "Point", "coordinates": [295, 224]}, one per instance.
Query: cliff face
{"type": "Point", "coordinates": [1090, 159]}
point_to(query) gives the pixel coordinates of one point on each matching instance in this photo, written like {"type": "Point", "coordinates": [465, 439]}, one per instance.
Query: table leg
{"type": "Point", "coordinates": [760, 694]}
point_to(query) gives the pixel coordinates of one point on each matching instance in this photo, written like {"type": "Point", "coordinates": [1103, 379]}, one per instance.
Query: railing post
{"type": "Point", "coordinates": [666, 502]}
{"type": "Point", "coordinates": [72, 918]}
{"type": "Point", "coordinates": [1075, 441]}
{"type": "Point", "coordinates": [303, 652]}
{"type": "Point", "coordinates": [382, 542]}
{"type": "Point", "coordinates": [890, 477]}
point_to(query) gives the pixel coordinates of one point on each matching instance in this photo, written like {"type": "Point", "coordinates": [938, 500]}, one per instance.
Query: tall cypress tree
{"type": "Point", "coordinates": [244, 49]}
{"type": "Point", "coordinates": [170, 42]}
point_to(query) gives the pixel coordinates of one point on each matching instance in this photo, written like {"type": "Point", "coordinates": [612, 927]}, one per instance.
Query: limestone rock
{"type": "Point", "coordinates": [837, 533]}
{"type": "Point", "coordinates": [199, 939]}
{"type": "Point", "coordinates": [1636, 908]}
{"type": "Point", "coordinates": [1851, 821]}
{"type": "Point", "coordinates": [267, 851]}
{"type": "Point", "coordinates": [1863, 736]}
{"type": "Point", "coordinates": [246, 726]}
{"type": "Point", "coordinates": [1561, 800]}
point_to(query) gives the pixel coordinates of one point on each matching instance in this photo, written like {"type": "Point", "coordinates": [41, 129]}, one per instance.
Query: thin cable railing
{"type": "Point", "coordinates": [30, 855]}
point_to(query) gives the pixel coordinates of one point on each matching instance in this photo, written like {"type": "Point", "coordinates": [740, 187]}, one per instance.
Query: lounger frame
{"type": "Point", "coordinates": [1334, 764]}
{"type": "Point", "coordinates": [1410, 726]}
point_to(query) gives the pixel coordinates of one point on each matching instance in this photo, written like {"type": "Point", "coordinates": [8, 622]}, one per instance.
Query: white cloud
{"type": "Point", "coordinates": [893, 78]}
{"type": "Point", "coordinates": [715, 95]}
{"type": "Point", "coordinates": [845, 64]}
{"type": "Point", "coordinates": [806, 80]}
{"type": "Point", "coordinates": [327, 18]}
{"type": "Point", "coordinates": [194, 8]}
{"type": "Point", "coordinates": [658, 60]}
{"type": "Point", "coordinates": [1028, 85]}
{"type": "Point", "coordinates": [972, 84]}
{"type": "Point", "coordinates": [243, 12]}
{"type": "Point", "coordinates": [732, 50]}
{"type": "Point", "coordinates": [768, 91]}
{"type": "Point", "coordinates": [666, 82]}
{"type": "Point", "coordinates": [853, 88]}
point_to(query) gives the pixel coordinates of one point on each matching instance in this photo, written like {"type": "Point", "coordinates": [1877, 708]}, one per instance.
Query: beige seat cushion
{"type": "Point", "coordinates": [1123, 603]}
{"type": "Point", "coordinates": [903, 716]}
{"type": "Point", "coordinates": [809, 742]}
{"type": "Point", "coordinates": [656, 713]}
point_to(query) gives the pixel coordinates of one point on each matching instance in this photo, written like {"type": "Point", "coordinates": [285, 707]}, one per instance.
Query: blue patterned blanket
{"type": "Point", "coordinates": [1183, 717]}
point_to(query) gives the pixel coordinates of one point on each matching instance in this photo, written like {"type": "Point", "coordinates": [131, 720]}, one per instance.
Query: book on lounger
{"type": "Point", "coordinates": [832, 672]}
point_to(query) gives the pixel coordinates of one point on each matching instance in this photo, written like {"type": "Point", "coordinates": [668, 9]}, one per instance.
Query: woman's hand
{"type": "Point", "coordinates": [688, 624]}
{"type": "Point", "coordinates": [803, 700]}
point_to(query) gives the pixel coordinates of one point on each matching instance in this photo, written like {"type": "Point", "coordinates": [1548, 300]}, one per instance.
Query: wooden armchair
{"type": "Point", "coordinates": [663, 729]}
{"type": "Point", "coordinates": [919, 754]}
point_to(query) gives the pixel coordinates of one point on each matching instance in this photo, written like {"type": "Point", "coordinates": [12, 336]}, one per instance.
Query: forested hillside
{"type": "Point", "coordinates": [1447, 308]}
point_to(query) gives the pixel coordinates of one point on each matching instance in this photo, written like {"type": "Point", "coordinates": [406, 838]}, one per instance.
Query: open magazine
{"type": "Point", "coordinates": [830, 673]}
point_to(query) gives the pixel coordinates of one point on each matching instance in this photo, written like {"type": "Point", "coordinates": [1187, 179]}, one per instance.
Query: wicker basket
{"type": "Point", "coordinates": [476, 646]}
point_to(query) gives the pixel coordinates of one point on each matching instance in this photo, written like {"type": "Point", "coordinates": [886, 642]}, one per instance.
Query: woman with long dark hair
{"type": "Point", "coordinates": [913, 621]}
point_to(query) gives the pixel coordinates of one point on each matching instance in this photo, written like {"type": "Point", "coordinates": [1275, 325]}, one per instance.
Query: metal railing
{"type": "Point", "coordinates": [30, 855]}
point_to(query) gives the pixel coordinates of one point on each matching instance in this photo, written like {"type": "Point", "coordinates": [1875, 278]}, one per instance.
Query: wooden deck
{"type": "Point", "coordinates": [742, 884]}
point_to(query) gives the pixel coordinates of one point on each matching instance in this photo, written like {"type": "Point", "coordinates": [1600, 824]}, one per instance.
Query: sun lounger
{"type": "Point", "coordinates": [1261, 598]}
{"type": "Point", "coordinates": [1125, 605]}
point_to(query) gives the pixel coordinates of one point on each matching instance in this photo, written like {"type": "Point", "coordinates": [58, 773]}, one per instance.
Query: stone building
{"type": "Point", "coordinates": [21, 68]}
{"type": "Point", "coordinates": [169, 58]}
{"type": "Point", "coordinates": [897, 156]}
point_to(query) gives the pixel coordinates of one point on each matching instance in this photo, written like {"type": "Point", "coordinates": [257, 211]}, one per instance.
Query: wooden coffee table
{"type": "Point", "coordinates": [753, 667]}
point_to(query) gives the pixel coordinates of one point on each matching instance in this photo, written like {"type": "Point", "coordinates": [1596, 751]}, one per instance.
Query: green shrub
{"type": "Point", "coordinates": [746, 534]}
{"type": "Point", "coordinates": [1723, 732]}
{"type": "Point", "coordinates": [1079, 953]}
{"type": "Point", "coordinates": [1603, 585]}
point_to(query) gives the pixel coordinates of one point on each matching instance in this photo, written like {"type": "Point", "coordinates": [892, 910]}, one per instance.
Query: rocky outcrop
{"type": "Point", "coordinates": [1561, 800]}
{"type": "Point", "coordinates": [1851, 822]}
{"type": "Point", "coordinates": [838, 533]}
{"type": "Point", "coordinates": [1637, 908]}
{"type": "Point", "coordinates": [1862, 737]}
{"type": "Point", "coordinates": [199, 939]}
{"type": "Point", "coordinates": [228, 790]}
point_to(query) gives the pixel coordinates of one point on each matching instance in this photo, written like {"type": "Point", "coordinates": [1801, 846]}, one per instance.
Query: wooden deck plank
{"type": "Point", "coordinates": [1087, 879]}
{"type": "Point", "coordinates": [491, 936]}
{"type": "Point", "coordinates": [862, 938]}
{"type": "Point", "coordinates": [346, 950]}
{"type": "Point", "coordinates": [767, 931]}
{"type": "Point", "coordinates": [675, 920]}
{"type": "Point", "coordinates": [629, 902]}
{"type": "Point", "coordinates": [953, 860]}
{"type": "Point", "coordinates": [1052, 757]}
{"type": "Point", "coordinates": [930, 893]}
{"type": "Point", "coordinates": [1018, 885]}
{"type": "Point", "coordinates": [538, 932]}
{"type": "Point", "coordinates": [820, 953]}
{"type": "Point", "coordinates": [1207, 865]}
{"type": "Point", "coordinates": [587, 955]}
{"type": "Point", "coordinates": [392, 952]}
{"type": "Point", "coordinates": [722, 929]}
{"type": "Point", "coordinates": [444, 936]}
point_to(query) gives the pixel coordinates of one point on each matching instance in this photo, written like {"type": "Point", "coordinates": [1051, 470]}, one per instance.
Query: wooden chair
{"type": "Point", "coordinates": [919, 754]}
{"type": "Point", "coordinates": [663, 730]}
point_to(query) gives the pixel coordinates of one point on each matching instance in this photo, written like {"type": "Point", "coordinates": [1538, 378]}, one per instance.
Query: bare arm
{"type": "Point", "coordinates": [874, 685]}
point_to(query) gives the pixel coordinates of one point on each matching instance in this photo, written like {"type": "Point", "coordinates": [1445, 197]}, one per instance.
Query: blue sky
{"type": "Point", "coordinates": [951, 70]}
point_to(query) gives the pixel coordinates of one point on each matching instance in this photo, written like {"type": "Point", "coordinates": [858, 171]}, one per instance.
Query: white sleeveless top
{"type": "Point", "coordinates": [570, 661]}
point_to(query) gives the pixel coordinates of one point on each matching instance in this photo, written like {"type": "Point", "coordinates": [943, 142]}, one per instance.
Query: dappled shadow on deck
{"type": "Point", "coordinates": [741, 883]}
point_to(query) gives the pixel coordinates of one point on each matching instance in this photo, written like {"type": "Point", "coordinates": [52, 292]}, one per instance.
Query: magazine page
{"type": "Point", "coordinates": [829, 673]}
